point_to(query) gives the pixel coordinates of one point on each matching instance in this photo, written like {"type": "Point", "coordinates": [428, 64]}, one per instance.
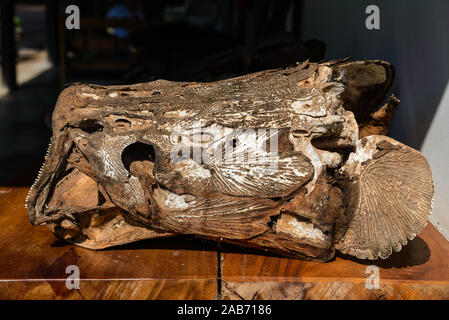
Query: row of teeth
{"type": "Point", "coordinates": [49, 148]}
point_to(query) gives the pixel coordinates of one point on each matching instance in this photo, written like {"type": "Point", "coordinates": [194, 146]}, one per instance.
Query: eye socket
{"type": "Point", "coordinates": [91, 125]}
{"type": "Point", "coordinates": [137, 152]}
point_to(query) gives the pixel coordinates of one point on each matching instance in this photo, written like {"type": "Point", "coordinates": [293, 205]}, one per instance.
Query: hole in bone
{"type": "Point", "coordinates": [101, 198]}
{"type": "Point", "coordinates": [231, 142]}
{"type": "Point", "coordinates": [91, 126]}
{"type": "Point", "coordinates": [123, 123]}
{"type": "Point", "coordinates": [138, 158]}
{"type": "Point", "coordinates": [299, 133]}
{"type": "Point", "coordinates": [181, 156]}
{"type": "Point", "coordinates": [273, 220]}
{"type": "Point", "coordinates": [322, 143]}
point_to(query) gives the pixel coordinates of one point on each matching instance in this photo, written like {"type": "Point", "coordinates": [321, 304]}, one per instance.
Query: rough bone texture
{"type": "Point", "coordinates": [109, 177]}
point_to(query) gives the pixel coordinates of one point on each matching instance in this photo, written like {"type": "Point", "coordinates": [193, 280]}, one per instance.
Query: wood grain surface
{"type": "Point", "coordinates": [33, 263]}
{"type": "Point", "coordinates": [419, 271]}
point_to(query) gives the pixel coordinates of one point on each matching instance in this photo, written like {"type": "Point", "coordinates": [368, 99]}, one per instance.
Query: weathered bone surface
{"type": "Point", "coordinates": [113, 173]}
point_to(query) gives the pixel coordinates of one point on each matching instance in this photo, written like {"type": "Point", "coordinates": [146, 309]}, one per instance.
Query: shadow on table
{"type": "Point", "coordinates": [183, 242]}
{"type": "Point", "coordinates": [415, 253]}
{"type": "Point", "coordinates": [172, 243]}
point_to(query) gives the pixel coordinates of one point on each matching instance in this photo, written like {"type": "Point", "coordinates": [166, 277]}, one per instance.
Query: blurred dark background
{"type": "Point", "coordinates": [132, 41]}
{"type": "Point", "coordinates": [128, 41]}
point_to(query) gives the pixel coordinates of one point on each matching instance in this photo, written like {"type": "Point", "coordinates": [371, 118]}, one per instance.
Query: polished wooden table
{"type": "Point", "coordinates": [33, 265]}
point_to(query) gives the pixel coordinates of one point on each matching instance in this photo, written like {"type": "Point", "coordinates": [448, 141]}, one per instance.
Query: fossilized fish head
{"type": "Point", "coordinates": [271, 160]}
